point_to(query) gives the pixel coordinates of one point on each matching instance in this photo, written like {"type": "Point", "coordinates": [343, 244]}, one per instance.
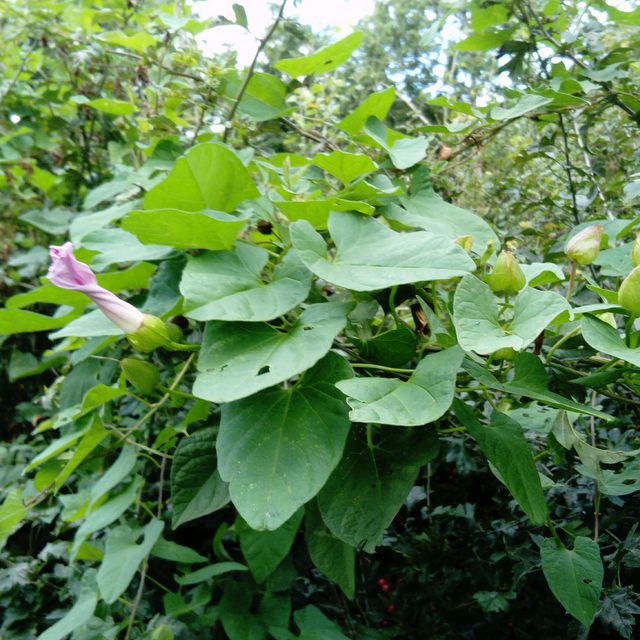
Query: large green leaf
{"type": "Point", "coordinates": [196, 486]}
{"type": "Point", "coordinates": [227, 285]}
{"type": "Point", "coordinates": [240, 358]}
{"type": "Point", "coordinates": [21, 321]}
{"type": "Point", "coordinates": [427, 210]}
{"type": "Point", "coordinates": [505, 446]}
{"type": "Point", "coordinates": [371, 256]}
{"type": "Point", "coordinates": [208, 176]}
{"type": "Point", "coordinates": [376, 105]}
{"type": "Point", "coordinates": [423, 398]}
{"type": "Point", "coordinates": [370, 484]}
{"type": "Point", "coordinates": [604, 338]}
{"type": "Point", "coordinates": [476, 316]}
{"type": "Point", "coordinates": [212, 230]}
{"type": "Point", "coordinates": [12, 512]}
{"type": "Point", "coordinates": [79, 614]}
{"type": "Point", "coordinates": [324, 60]}
{"type": "Point", "coordinates": [317, 211]}
{"type": "Point", "coordinates": [345, 166]}
{"type": "Point", "coordinates": [122, 557]}
{"type": "Point", "coordinates": [263, 97]}
{"type": "Point", "coordinates": [314, 625]}
{"type": "Point", "coordinates": [118, 245]}
{"type": "Point", "coordinates": [277, 448]}
{"type": "Point", "coordinates": [403, 151]}
{"type": "Point", "coordinates": [265, 550]}
{"type": "Point", "coordinates": [574, 576]}
{"type": "Point", "coordinates": [528, 102]}
{"type": "Point", "coordinates": [331, 556]}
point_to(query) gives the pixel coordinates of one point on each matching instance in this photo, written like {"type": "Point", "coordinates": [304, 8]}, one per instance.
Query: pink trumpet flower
{"type": "Point", "coordinates": [145, 332]}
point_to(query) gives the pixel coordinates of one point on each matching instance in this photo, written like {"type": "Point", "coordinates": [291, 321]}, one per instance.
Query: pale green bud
{"type": "Point", "coordinates": [629, 292]}
{"type": "Point", "coordinates": [506, 353]}
{"type": "Point", "coordinates": [466, 242]}
{"type": "Point", "coordinates": [584, 247]}
{"type": "Point", "coordinates": [141, 374]}
{"type": "Point", "coordinates": [162, 632]}
{"type": "Point", "coordinates": [635, 251]}
{"type": "Point", "coordinates": [507, 275]}
{"type": "Point", "coordinates": [153, 333]}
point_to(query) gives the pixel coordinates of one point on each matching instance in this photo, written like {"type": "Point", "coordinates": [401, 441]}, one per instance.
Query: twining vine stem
{"type": "Point", "coordinates": [252, 67]}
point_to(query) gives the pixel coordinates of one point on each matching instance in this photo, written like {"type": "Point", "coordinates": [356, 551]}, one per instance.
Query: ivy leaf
{"type": "Point", "coordinates": [345, 166]}
{"type": "Point", "coordinates": [227, 285]}
{"type": "Point", "coordinates": [79, 614]}
{"type": "Point", "coordinates": [207, 229]}
{"type": "Point", "coordinates": [604, 338]}
{"type": "Point", "coordinates": [427, 210]}
{"type": "Point", "coordinates": [265, 550]}
{"type": "Point", "coordinates": [196, 486]}
{"type": "Point", "coordinates": [505, 446]}
{"type": "Point", "coordinates": [476, 316]}
{"type": "Point", "coordinates": [208, 176]}
{"type": "Point", "coordinates": [277, 447]}
{"type": "Point", "coordinates": [324, 60]}
{"type": "Point", "coordinates": [239, 358]}
{"type": "Point", "coordinates": [528, 102]}
{"type": "Point", "coordinates": [370, 484]}
{"type": "Point", "coordinates": [314, 625]}
{"type": "Point", "coordinates": [331, 556]}
{"type": "Point", "coordinates": [12, 512]}
{"type": "Point", "coordinates": [122, 557]}
{"type": "Point", "coordinates": [361, 265]}
{"type": "Point", "coordinates": [377, 105]}
{"type": "Point", "coordinates": [403, 151]}
{"type": "Point", "coordinates": [423, 398]}
{"type": "Point", "coordinates": [574, 576]}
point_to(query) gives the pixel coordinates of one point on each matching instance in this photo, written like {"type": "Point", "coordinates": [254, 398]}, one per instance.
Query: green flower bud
{"type": "Point", "coordinates": [175, 332]}
{"type": "Point", "coordinates": [141, 374]}
{"type": "Point", "coordinates": [506, 353]}
{"type": "Point", "coordinates": [466, 242]}
{"type": "Point", "coordinates": [162, 632]}
{"type": "Point", "coordinates": [635, 252]}
{"type": "Point", "coordinates": [153, 333]}
{"type": "Point", "coordinates": [507, 275]}
{"type": "Point", "coordinates": [584, 247]}
{"type": "Point", "coordinates": [629, 292]}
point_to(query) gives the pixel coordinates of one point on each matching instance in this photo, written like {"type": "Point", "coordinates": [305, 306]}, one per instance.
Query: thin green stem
{"type": "Point", "coordinates": [367, 365]}
{"type": "Point", "coordinates": [565, 338]}
{"type": "Point", "coordinates": [572, 279]}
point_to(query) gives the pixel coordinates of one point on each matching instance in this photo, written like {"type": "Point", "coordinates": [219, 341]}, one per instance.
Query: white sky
{"type": "Point", "coordinates": [340, 15]}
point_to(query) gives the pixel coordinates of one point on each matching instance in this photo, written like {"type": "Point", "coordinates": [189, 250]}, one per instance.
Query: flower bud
{"type": "Point", "coordinates": [162, 632]}
{"type": "Point", "coordinates": [635, 251]}
{"type": "Point", "coordinates": [141, 374]}
{"type": "Point", "coordinates": [506, 353]}
{"type": "Point", "coordinates": [466, 242]}
{"type": "Point", "coordinates": [151, 334]}
{"type": "Point", "coordinates": [507, 275]}
{"type": "Point", "coordinates": [584, 247]}
{"type": "Point", "coordinates": [629, 292]}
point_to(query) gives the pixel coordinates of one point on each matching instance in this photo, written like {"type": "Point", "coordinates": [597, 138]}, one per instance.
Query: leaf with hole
{"type": "Point", "coordinates": [574, 576]}
{"type": "Point", "coordinates": [238, 359]}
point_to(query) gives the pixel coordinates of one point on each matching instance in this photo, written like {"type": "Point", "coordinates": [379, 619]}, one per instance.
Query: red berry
{"type": "Point", "coordinates": [381, 581]}
{"type": "Point", "coordinates": [384, 588]}
{"type": "Point", "coordinates": [385, 622]}
{"type": "Point", "coordinates": [391, 608]}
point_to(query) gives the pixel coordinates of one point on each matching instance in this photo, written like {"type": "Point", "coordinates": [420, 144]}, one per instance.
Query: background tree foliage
{"type": "Point", "coordinates": [357, 450]}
